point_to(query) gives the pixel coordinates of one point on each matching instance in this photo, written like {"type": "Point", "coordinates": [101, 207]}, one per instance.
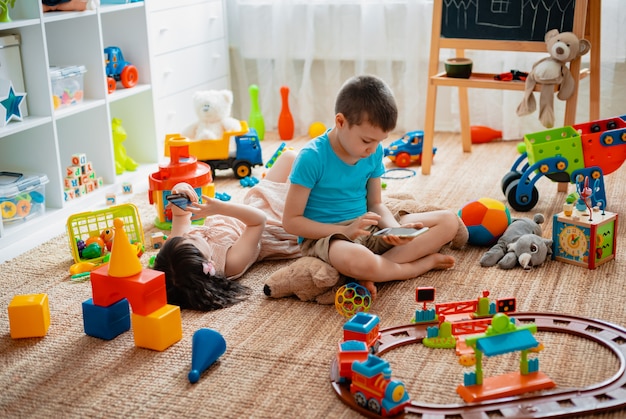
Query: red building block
{"type": "Point", "coordinates": [145, 291]}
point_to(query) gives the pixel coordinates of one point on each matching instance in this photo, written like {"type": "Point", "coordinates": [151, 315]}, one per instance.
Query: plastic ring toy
{"type": "Point", "coordinates": [9, 209]}
{"type": "Point", "coordinates": [23, 208]}
{"type": "Point", "coordinates": [410, 172]}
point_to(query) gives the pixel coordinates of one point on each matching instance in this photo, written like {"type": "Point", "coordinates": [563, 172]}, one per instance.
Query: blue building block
{"type": "Point", "coordinates": [106, 322]}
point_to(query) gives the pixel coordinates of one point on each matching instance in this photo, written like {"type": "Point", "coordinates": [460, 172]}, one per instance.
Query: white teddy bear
{"type": "Point", "coordinates": [213, 109]}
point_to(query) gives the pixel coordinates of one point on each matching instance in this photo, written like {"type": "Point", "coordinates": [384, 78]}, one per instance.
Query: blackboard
{"type": "Point", "coordinates": [424, 294]}
{"type": "Point", "coordinates": [506, 20]}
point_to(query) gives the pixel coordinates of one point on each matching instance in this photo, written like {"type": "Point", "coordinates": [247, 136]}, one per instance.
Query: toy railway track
{"type": "Point", "coordinates": [609, 394]}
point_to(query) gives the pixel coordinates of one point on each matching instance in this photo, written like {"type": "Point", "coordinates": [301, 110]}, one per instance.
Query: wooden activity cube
{"type": "Point", "coordinates": [582, 242]}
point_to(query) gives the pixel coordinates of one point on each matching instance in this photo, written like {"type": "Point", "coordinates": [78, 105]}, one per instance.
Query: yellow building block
{"type": "Point", "coordinates": [29, 316]}
{"type": "Point", "coordinates": [158, 330]}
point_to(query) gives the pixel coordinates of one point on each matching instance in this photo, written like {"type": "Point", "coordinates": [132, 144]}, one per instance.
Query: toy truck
{"type": "Point", "coordinates": [217, 153]}
{"type": "Point", "coordinates": [118, 69]}
{"type": "Point", "coordinates": [569, 154]}
{"type": "Point", "coordinates": [407, 149]}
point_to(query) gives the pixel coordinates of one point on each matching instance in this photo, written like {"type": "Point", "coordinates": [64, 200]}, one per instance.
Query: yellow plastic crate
{"type": "Point", "coordinates": [91, 223]}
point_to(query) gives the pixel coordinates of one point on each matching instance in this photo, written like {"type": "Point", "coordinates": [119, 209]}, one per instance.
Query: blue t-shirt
{"type": "Point", "coordinates": [338, 190]}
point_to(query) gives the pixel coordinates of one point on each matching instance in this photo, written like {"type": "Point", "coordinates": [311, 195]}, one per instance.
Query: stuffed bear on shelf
{"type": "Point", "coordinates": [550, 72]}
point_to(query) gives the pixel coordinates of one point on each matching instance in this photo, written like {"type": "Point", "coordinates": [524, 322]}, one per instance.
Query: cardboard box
{"type": "Point", "coordinates": [67, 85]}
{"type": "Point", "coordinates": [22, 196]}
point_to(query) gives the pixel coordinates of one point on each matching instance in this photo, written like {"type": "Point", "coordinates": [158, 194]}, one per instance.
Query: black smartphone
{"type": "Point", "coordinates": [401, 232]}
{"type": "Point", "coordinates": [180, 200]}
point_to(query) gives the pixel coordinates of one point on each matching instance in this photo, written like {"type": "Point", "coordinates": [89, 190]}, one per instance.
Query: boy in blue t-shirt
{"type": "Point", "coordinates": [334, 203]}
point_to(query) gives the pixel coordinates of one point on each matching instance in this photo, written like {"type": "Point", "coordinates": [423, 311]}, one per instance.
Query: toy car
{"type": "Point", "coordinates": [407, 149]}
{"type": "Point", "coordinates": [118, 69]}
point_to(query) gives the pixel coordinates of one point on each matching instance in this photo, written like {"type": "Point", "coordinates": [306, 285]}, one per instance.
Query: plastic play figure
{"type": "Point", "coordinates": [123, 161]}
{"type": "Point", "coordinates": [4, 10]}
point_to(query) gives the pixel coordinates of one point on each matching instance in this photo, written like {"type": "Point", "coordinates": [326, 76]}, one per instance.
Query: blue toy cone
{"type": "Point", "coordinates": [206, 347]}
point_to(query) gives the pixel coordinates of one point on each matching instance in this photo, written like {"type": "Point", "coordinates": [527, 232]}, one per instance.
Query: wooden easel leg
{"type": "Point", "coordinates": [466, 135]}
{"type": "Point", "coordinates": [594, 21]}
{"type": "Point", "coordinates": [429, 129]}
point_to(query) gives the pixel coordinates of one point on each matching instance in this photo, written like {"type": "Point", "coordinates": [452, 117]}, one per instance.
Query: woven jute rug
{"type": "Point", "coordinates": [279, 352]}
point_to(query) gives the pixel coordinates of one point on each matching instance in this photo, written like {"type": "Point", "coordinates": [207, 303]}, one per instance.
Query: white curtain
{"type": "Point", "coordinates": [313, 46]}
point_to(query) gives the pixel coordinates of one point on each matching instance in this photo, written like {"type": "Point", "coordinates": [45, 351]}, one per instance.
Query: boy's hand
{"type": "Point", "coordinates": [399, 241]}
{"type": "Point", "coordinates": [358, 227]}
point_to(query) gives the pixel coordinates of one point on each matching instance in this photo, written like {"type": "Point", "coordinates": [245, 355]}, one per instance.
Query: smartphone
{"type": "Point", "coordinates": [401, 231]}
{"type": "Point", "coordinates": [180, 200]}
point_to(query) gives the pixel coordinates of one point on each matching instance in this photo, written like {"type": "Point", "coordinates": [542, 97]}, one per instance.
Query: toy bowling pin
{"type": "Point", "coordinates": [285, 120]}
{"type": "Point", "coordinates": [255, 119]}
{"type": "Point", "coordinates": [481, 134]}
{"type": "Point", "coordinates": [207, 346]}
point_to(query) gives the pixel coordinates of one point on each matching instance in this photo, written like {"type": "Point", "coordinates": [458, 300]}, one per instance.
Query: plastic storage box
{"type": "Point", "coordinates": [22, 196]}
{"type": "Point", "coordinates": [67, 85]}
{"type": "Point", "coordinates": [93, 225]}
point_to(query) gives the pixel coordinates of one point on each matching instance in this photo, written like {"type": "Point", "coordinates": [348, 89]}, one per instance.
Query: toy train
{"type": "Point", "coordinates": [369, 376]}
{"type": "Point", "coordinates": [567, 154]}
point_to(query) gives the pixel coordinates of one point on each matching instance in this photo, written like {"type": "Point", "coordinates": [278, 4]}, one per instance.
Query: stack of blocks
{"type": "Point", "coordinates": [156, 324]}
{"type": "Point", "coordinates": [29, 316]}
{"type": "Point", "coordinates": [80, 178]}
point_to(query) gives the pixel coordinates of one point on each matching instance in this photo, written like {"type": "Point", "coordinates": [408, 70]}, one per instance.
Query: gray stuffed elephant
{"type": "Point", "coordinates": [520, 244]}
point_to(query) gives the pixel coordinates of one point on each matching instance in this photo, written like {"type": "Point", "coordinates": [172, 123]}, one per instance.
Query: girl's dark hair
{"type": "Point", "coordinates": [367, 98]}
{"type": "Point", "coordinates": [187, 285]}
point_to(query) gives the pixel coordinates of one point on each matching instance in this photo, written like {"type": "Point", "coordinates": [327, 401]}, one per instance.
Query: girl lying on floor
{"type": "Point", "coordinates": [201, 263]}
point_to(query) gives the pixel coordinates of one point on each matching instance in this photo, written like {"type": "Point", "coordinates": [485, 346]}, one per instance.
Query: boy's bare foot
{"type": "Point", "coordinates": [441, 261]}
{"type": "Point", "coordinates": [370, 286]}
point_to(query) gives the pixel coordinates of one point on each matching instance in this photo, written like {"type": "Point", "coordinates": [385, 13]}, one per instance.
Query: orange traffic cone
{"type": "Point", "coordinates": [124, 260]}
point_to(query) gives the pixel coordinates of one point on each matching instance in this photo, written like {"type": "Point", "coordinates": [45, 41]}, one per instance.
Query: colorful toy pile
{"type": "Point", "coordinates": [80, 178]}
{"type": "Point", "coordinates": [91, 235]}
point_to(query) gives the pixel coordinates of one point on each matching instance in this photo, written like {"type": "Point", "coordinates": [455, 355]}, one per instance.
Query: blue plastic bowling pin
{"type": "Point", "coordinates": [207, 346]}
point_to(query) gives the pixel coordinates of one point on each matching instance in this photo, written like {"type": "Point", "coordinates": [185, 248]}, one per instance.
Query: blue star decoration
{"type": "Point", "coordinates": [11, 105]}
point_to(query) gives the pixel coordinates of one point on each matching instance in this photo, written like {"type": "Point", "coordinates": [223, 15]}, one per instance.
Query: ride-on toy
{"type": "Point", "coordinates": [568, 154]}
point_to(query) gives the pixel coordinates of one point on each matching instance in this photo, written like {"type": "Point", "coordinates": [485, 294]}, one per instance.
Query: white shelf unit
{"type": "Point", "coordinates": [46, 139]}
{"type": "Point", "coordinates": [189, 44]}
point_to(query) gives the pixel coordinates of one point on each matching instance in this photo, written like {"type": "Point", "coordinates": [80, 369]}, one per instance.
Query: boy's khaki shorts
{"type": "Point", "coordinates": [319, 247]}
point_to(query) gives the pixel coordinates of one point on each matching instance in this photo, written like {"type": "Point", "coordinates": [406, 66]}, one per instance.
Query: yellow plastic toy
{"type": "Point", "coordinates": [29, 316]}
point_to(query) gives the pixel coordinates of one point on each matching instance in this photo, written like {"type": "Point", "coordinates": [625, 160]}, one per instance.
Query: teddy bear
{"type": "Point", "coordinates": [551, 71]}
{"type": "Point", "coordinates": [311, 279]}
{"type": "Point", "coordinates": [213, 109]}
{"type": "Point", "coordinates": [521, 243]}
